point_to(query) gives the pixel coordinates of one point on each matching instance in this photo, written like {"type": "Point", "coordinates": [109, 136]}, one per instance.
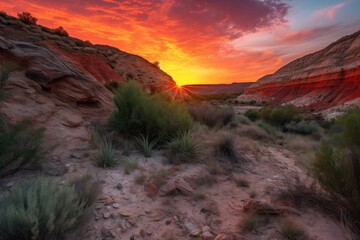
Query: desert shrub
{"type": "Point", "coordinates": [20, 146]}
{"type": "Point", "coordinates": [27, 18]}
{"type": "Point", "coordinates": [210, 115]}
{"type": "Point", "coordinates": [61, 31]}
{"type": "Point", "coordinates": [252, 222]}
{"type": "Point", "coordinates": [327, 123]}
{"type": "Point", "coordinates": [304, 128]}
{"type": "Point", "coordinates": [267, 127]}
{"type": "Point", "coordinates": [182, 149]}
{"type": "Point", "coordinates": [145, 145]}
{"type": "Point", "coordinates": [42, 210]}
{"type": "Point", "coordinates": [283, 115]}
{"type": "Point", "coordinates": [106, 155]}
{"type": "Point", "coordinates": [292, 231]}
{"type": "Point", "coordinates": [224, 147]}
{"type": "Point", "coordinates": [254, 132]}
{"type": "Point", "coordinates": [337, 166]}
{"type": "Point", "coordinates": [113, 86]}
{"type": "Point", "coordinates": [265, 113]}
{"type": "Point", "coordinates": [154, 116]}
{"type": "Point", "coordinates": [252, 114]}
{"type": "Point", "coordinates": [243, 119]}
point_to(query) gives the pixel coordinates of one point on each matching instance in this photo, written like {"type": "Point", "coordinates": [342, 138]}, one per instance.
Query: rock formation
{"type": "Point", "coordinates": [58, 82]}
{"type": "Point", "coordinates": [324, 79]}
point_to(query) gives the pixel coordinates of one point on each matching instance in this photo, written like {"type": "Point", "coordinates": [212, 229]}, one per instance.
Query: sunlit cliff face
{"type": "Point", "coordinates": [202, 41]}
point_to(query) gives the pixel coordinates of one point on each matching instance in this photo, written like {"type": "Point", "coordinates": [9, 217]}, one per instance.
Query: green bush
{"type": "Point", "coordinates": [106, 155]}
{"type": "Point", "coordinates": [302, 127]}
{"type": "Point", "coordinates": [42, 210]}
{"type": "Point", "coordinates": [337, 166]}
{"type": "Point", "coordinates": [252, 114]}
{"type": "Point", "coordinates": [145, 145]}
{"type": "Point", "coordinates": [20, 146]}
{"type": "Point", "coordinates": [282, 115]}
{"type": "Point", "coordinates": [182, 149]}
{"type": "Point", "coordinates": [267, 127]}
{"type": "Point", "coordinates": [265, 113]}
{"type": "Point", "coordinates": [154, 116]}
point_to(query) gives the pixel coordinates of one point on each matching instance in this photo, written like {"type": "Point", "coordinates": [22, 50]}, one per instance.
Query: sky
{"type": "Point", "coordinates": [203, 41]}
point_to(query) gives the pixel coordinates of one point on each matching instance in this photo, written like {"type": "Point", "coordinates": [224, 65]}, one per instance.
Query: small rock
{"type": "Point", "coordinates": [205, 229]}
{"type": "Point", "coordinates": [116, 205]}
{"type": "Point", "coordinates": [220, 236]}
{"type": "Point", "coordinates": [119, 186]}
{"type": "Point", "coordinates": [208, 235]}
{"type": "Point", "coordinates": [150, 190]}
{"type": "Point", "coordinates": [127, 225]}
{"type": "Point", "coordinates": [168, 222]}
{"type": "Point", "coordinates": [9, 184]}
{"type": "Point", "coordinates": [196, 232]}
{"type": "Point", "coordinates": [106, 232]}
{"type": "Point", "coordinates": [142, 233]}
{"type": "Point", "coordinates": [106, 215]}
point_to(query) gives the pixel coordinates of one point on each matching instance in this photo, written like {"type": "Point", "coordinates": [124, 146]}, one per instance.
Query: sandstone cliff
{"type": "Point", "coordinates": [324, 79]}
{"type": "Point", "coordinates": [58, 82]}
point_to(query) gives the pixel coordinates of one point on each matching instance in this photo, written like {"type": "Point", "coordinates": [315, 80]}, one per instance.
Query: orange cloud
{"type": "Point", "coordinates": [192, 40]}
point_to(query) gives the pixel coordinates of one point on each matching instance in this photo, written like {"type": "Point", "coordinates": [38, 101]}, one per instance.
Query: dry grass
{"type": "Point", "coordinates": [140, 179]}
{"type": "Point", "coordinates": [300, 144]}
{"type": "Point", "coordinates": [252, 223]}
{"type": "Point", "coordinates": [224, 147]}
{"type": "Point", "coordinates": [158, 177]}
{"type": "Point", "coordinates": [129, 165]}
{"type": "Point", "coordinates": [253, 132]}
{"type": "Point", "coordinates": [292, 231]}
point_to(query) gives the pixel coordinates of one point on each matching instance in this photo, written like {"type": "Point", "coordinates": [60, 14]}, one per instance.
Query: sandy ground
{"type": "Point", "coordinates": [212, 210]}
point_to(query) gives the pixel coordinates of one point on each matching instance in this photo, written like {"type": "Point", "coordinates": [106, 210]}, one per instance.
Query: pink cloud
{"type": "Point", "coordinates": [329, 12]}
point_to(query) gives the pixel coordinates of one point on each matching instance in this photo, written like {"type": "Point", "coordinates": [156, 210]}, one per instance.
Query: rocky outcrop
{"type": "Point", "coordinates": [103, 63]}
{"type": "Point", "coordinates": [58, 82]}
{"type": "Point", "coordinates": [318, 81]}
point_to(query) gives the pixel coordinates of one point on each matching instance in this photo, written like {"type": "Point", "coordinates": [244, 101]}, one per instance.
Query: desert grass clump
{"type": "Point", "coordinates": [211, 116]}
{"type": "Point", "coordinates": [140, 179]}
{"type": "Point", "coordinates": [40, 209]}
{"type": "Point", "coordinates": [129, 165]}
{"type": "Point", "coordinates": [270, 129]}
{"type": "Point", "coordinates": [106, 156]}
{"type": "Point", "coordinates": [182, 149]}
{"type": "Point", "coordinates": [152, 115]}
{"type": "Point", "coordinates": [27, 18]}
{"type": "Point", "coordinates": [20, 147]}
{"type": "Point", "coordinates": [304, 128]}
{"type": "Point", "coordinates": [158, 177]}
{"type": "Point", "coordinates": [292, 231]}
{"type": "Point", "coordinates": [252, 222]}
{"type": "Point", "coordinates": [337, 166]}
{"type": "Point", "coordinates": [252, 114]}
{"type": "Point", "coordinates": [145, 145]}
{"type": "Point", "coordinates": [224, 148]}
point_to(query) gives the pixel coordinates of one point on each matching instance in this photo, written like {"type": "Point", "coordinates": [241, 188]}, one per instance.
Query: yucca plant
{"type": "Point", "coordinates": [106, 155]}
{"type": "Point", "coordinates": [145, 145]}
{"type": "Point", "coordinates": [182, 149]}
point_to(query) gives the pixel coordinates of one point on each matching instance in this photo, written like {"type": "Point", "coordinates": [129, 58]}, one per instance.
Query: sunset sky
{"type": "Point", "coordinates": [203, 41]}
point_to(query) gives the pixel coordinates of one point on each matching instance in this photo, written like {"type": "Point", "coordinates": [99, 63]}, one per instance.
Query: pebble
{"type": "Point", "coordinates": [106, 215]}
{"type": "Point", "coordinates": [205, 229]}
{"type": "Point", "coordinates": [106, 232]}
{"type": "Point", "coordinates": [207, 235]}
{"type": "Point", "coordinates": [196, 232]}
{"type": "Point", "coordinates": [116, 205]}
